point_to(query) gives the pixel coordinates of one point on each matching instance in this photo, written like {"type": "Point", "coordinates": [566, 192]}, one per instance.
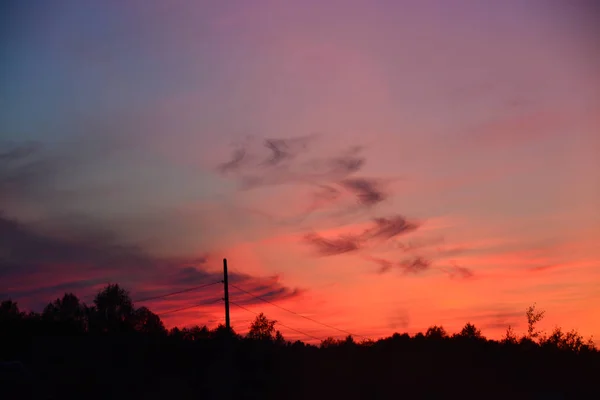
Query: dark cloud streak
{"type": "Point", "coordinates": [330, 247]}
{"type": "Point", "coordinates": [387, 228]}
{"type": "Point", "coordinates": [347, 163]}
{"type": "Point", "coordinates": [418, 265]}
{"type": "Point", "coordinates": [415, 265]}
{"type": "Point", "coordinates": [384, 265]}
{"type": "Point", "coordinates": [289, 161]}
{"type": "Point", "coordinates": [235, 163]}
{"type": "Point", "coordinates": [456, 271]}
{"type": "Point", "coordinates": [286, 149]}
{"type": "Point", "coordinates": [280, 165]}
{"type": "Point", "coordinates": [366, 190]}
{"type": "Point", "coordinates": [36, 267]}
{"type": "Point", "coordinates": [383, 229]}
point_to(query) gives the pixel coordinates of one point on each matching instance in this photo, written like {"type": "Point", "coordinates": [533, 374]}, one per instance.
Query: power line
{"type": "Point", "coordinates": [300, 315]}
{"type": "Point", "coordinates": [295, 330]}
{"type": "Point", "coordinates": [189, 307]}
{"type": "Point", "coordinates": [178, 292]}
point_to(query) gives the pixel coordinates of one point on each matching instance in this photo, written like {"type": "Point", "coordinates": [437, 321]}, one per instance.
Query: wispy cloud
{"type": "Point", "coordinates": [346, 163]}
{"type": "Point", "coordinates": [387, 228]}
{"type": "Point", "coordinates": [283, 150]}
{"type": "Point", "coordinates": [239, 156]}
{"type": "Point", "coordinates": [284, 161]}
{"type": "Point", "coordinates": [268, 288]}
{"type": "Point", "coordinates": [246, 158]}
{"type": "Point", "coordinates": [417, 244]}
{"type": "Point", "coordinates": [457, 271]}
{"type": "Point", "coordinates": [367, 191]}
{"type": "Point", "coordinates": [384, 265]}
{"type": "Point", "coordinates": [330, 247]}
{"type": "Point", "coordinates": [419, 264]}
{"type": "Point", "coordinates": [254, 167]}
{"type": "Point", "coordinates": [292, 160]}
{"type": "Point", "coordinates": [324, 195]}
{"type": "Point", "coordinates": [415, 265]}
{"type": "Point", "coordinates": [383, 229]}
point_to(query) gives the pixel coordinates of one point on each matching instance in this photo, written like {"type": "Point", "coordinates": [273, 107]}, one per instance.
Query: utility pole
{"type": "Point", "coordinates": [226, 288]}
{"type": "Point", "coordinates": [226, 367]}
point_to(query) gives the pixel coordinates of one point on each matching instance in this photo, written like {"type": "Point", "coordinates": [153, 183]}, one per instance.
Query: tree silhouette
{"type": "Point", "coordinates": [533, 317]}
{"type": "Point", "coordinates": [570, 341]}
{"type": "Point", "coordinates": [176, 333]}
{"type": "Point", "coordinates": [510, 337]}
{"type": "Point", "coordinates": [262, 328]}
{"type": "Point", "coordinates": [68, 312]}
{"type": "Point", "coordinates": [11, 318]}
{"type": "Point", "coordinates": [469, 331]}
{"type": "Point", "coordinates": [113, 310]}
{"type": "Point", "coordinates": [138, 359]}
{"type": "Point", "coordinates": [279, 339]}
{"type": "Point", "coordinates": [9, 310]}
{"type": "Point", "coordinates": [436, 332]}
{"type": "Point", "coordinates": [329, 342]}
{"type": "Point", "coordinates": [145, 321]}
{"type": "Point", "coordinates": [221, 332]}
{"type": "Point", "coordinates": [196, 333]}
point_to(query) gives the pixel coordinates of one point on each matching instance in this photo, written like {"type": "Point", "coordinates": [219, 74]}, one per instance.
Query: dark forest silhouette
{"type": "Point", "coordinates": [113, 350]}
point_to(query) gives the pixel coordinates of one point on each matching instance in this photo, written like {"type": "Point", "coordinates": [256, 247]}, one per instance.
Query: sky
{"type": "Point", "coordinates": [376, 166]}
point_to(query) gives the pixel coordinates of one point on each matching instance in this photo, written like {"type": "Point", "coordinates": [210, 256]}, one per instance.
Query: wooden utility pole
{"type": "Point", "coordinates": [226, 368]}
{"type": "Point", "coordinates": [226, 288]}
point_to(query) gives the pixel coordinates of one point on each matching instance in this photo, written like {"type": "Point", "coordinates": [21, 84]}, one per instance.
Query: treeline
{"type": "Point", "coordinates": [111, 349]}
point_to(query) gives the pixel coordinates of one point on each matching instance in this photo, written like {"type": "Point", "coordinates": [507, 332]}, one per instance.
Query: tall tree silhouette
{"type": "Point", "coordinates": [113, 311]}
{"type": "Point", "coordinates": [262, 328]}
{"type": "Point", "coordinates": [533, 317]}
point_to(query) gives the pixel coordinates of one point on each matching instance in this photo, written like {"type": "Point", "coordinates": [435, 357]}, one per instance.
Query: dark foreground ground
{"type": "Point", "coordinates": [143, 367]}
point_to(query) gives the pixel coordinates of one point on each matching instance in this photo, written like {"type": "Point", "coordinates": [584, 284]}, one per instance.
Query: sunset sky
{"type": "Point", "coordinates": [378, 166]}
